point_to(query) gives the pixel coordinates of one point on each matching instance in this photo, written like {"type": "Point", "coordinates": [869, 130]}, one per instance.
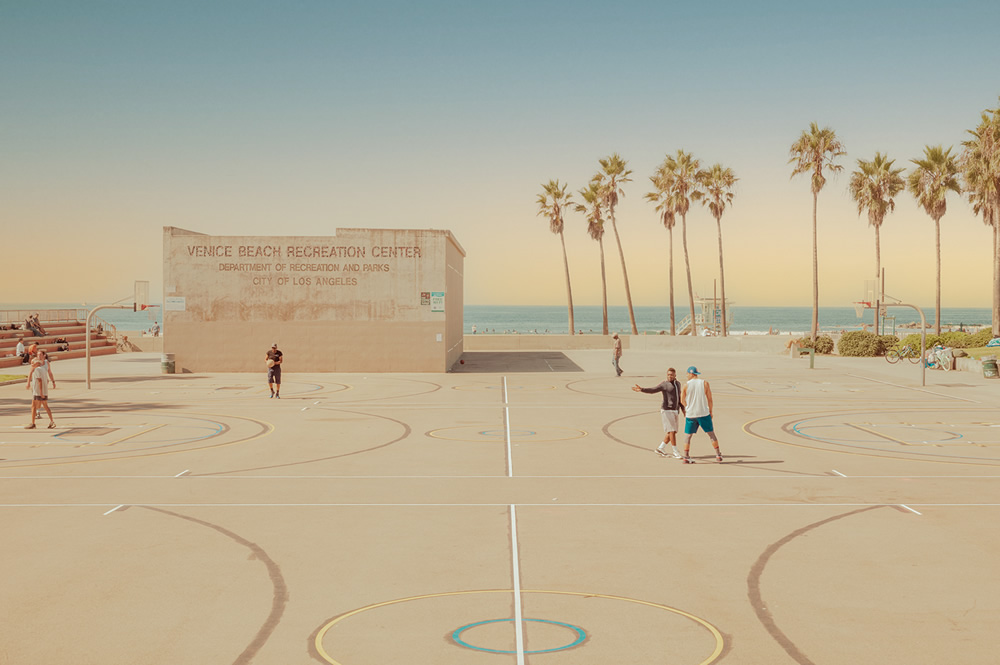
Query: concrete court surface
{"type": "Point", "coordinates": [382, 519]}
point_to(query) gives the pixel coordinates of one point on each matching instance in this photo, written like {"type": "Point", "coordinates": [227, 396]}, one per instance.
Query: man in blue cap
{"type": "Point", "coordinates": [696, 399]}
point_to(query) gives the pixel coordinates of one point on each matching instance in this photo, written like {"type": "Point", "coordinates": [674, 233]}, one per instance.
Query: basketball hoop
{"type": "Point", "coordinates": [860, 307]}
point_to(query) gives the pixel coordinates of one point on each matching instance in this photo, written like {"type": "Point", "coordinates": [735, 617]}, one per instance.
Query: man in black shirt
{"type": "Point", "coordinates": [274, 371]}
{"type": "Point", "coordinates": [669, 411]}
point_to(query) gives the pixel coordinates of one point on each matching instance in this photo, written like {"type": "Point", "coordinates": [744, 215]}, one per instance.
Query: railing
{"type": "Point", "coordinates": [107, 329]}
{"type": "Point", "coordinates": [9, 316]}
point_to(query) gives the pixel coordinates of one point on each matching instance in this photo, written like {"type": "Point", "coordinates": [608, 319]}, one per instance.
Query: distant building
{"type": "Point", "coordinates": [365, 300]}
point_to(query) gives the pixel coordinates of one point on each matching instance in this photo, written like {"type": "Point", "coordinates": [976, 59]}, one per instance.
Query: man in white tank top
{"type": "Point", "coordinates": [697, 401]}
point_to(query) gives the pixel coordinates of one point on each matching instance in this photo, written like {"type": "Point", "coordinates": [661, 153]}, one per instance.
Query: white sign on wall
{"type": "Point", "coordinates": [437, 301]}
{"type": "Point", "coordinates": [174, 304]}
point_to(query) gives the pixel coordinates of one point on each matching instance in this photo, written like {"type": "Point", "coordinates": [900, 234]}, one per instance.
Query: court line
{"type": "Point", "coordinates": [493, 505]}
{"type": "Point", "coordinates": [516, 573]}
{"type": "Point", "coordinates": [869, 431]}
{"type": "Point", "coordinates": [922, 390]}
{"type": "Point", "coordinates": [114, 509]}
{"type": "Point", "coordinates": [903, 505]}
{"type": "Point", "coordinates": [182, 473]}
{"type": "Point", "coordinates": [816, 476]}
{"type": "Point", "coordinates": [506, 431]}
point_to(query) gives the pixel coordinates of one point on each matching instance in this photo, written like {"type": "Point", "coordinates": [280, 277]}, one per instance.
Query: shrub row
{"type": "Point", "coordinates": [860, 343]}
{"type": "Point", "coordinates": [824, 343]}
{"type": "Point", "coordinates": [956, 340]}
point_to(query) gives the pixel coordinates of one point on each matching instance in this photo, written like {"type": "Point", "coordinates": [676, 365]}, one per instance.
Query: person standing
{"type": "Point", "coordinates": [21, 352]}
{"type": "Point", "coordinates": [38, 379]}
{"type": "Point", "coordinates": [274, 371]}
{"type": "Point", "coordinates": [696, 400]}
{"type": "Point", "coordinates": [669, 410]}
{"type": "Point", "coordinates": [616, 353]}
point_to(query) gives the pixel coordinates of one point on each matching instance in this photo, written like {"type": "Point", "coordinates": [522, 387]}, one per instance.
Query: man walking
{"type": "Point", "coordinates": [274, 371]}
{"type": "Point", "coordinates": [669, 410]}
{"type": "Point", "coordinates": [696, 400]}
{"type": "Point", "coordinates": [616, 353]}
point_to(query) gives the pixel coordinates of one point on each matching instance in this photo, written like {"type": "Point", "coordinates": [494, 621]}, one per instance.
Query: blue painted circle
{"type": "Point", "coordinates": [581, 635]}
{"type": "Point", "coordinates": [514, 432]}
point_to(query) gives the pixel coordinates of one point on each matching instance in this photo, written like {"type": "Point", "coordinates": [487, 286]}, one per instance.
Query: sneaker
{"type": "Point", "coordinates": [662, 453]}
{"type": "Point", "coordinates": [31, 426]}
{"type": "Point", "coordinates": [277, 395]}
{"type": "Point", "coordinates": [688, 460]}
{"type": "Point", "coordinates": [718, 456]}
{"type": "Point", "coordinates": [272, 396]}
{"type": "Point", "coordinates": [677, 454]}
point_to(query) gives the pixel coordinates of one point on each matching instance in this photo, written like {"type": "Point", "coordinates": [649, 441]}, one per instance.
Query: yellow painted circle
{"type": "Point", "coordinates": [719, 642]}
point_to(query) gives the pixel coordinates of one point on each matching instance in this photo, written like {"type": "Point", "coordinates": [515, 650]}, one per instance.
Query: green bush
{"type": "Point", "coordinates": [824, 343]}
{"type": "Point", "coordinates": [955, 339]}
{"type": "Point", "coordinates": [913, 339]}
{"type": "Point", "coordinates": [980, 338]}
{"type": "Point", "coordinates": [887, 342]}
{"type": "Point", "coordinates": [860, 344]}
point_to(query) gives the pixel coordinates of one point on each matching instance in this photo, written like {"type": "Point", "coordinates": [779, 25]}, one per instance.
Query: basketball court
{"type": "Point", "coordinates": [512, 511]}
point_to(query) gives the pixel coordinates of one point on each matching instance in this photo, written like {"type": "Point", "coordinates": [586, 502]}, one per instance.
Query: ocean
{"type": "Point", "coordinates": [552, 319]}
{"type": "Point", "coordinates": [651, 320]}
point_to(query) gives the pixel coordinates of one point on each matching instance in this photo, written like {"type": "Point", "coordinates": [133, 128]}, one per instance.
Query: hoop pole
{"type": "Point", "coordinates": [87, 325]}
{"type": "Point", "coordinates": [923, 338]}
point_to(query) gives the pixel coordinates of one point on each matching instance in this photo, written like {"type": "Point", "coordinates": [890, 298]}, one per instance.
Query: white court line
{"type": "Point", "coordinates": [304, 408]}
{"type": "Point", "coordinates": [182, 473]}
{"type": "Point", "coordinates": [839, 473]}
{"type": "Point", "coordinates": [818, 476]}
{"type": "Point", "coordinates": [114, 509]}
{"type": "Point", "coordinates": [922, 390]}
{"type": "Point", "coordinates": [903, 505]}
{"type": "Point", "coordinates": [506, 431]}
{"type": "Point", "coordinates": [516, 572]}
{"type": "Point", "coordinates": [316, 402]}
{"type": "Point", "coordinates": [493, 505]}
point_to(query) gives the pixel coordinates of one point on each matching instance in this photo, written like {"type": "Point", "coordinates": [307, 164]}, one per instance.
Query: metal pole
{"type": "Point", "coordinates": [923, 339]}
{"type": "Point", "coordinates": [89, 316]}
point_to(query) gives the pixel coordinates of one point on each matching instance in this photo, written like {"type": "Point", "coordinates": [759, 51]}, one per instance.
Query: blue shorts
{"type": "Point", "coordinates": [691, 425]}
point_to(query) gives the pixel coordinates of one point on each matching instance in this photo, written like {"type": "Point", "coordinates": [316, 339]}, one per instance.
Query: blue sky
{"type": "Point", "coordinates": [118, 118]}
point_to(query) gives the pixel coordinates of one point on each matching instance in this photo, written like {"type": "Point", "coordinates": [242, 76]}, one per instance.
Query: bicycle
{"type": "Point", "coordinates": [894, 354]}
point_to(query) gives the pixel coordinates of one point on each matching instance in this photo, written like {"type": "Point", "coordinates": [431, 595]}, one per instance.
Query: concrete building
{"type": "Point", "coordinates": [365, 300]}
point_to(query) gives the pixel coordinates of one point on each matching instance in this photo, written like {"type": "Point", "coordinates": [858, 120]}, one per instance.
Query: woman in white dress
{"type": "Point", "coordinates": [38, 381]}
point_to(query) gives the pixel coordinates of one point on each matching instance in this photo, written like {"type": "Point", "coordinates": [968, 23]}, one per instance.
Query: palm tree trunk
{"type": "Point", "coordinates": [815, 317]}
{"type": "Point", "coordinates": [722, 277]}
{"type": "Point", "coordinates": [604, 288]}
{"type": "Point", "coordinates": [569, 289]}
{"type": "Point", "coordinates": [687, 266]}
{"type": "Point", "coordinates": [621, 255]}
{"type": "Point", "coordinates": [673, 327]}
{"type": "Point", "coordinates": [878, 273]}
{"type": "Point", "coordinates": [937, 290]}
{"type": "Point", "coordinates": [996, 271]}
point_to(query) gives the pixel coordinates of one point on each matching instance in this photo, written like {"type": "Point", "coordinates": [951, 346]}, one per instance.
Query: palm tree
{"type": "Point", "coordinates": [613, 174]}
{"type": "Point", "coordinates": [935, 175]}
{"type": "Point", "coordinates": [660, 196]}
{"type": "Point", "coordinates": [593, 198]}
{"type": "Point", "coordinates": [551, 203]}
{"type": "Point", "coordinates": [981, 168]}
{"type": "Point", "coordinates": [874, 186]}
{"type": "Point", "coordinates": [682, 173]}
{"type": "Point", "coordinates": [812, 153]}
{"type": "Point", "coordinates": [717, 185]}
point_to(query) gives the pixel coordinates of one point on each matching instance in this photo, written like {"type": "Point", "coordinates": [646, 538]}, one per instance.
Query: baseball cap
{"type": "Point", "coordinates": [693, 370]}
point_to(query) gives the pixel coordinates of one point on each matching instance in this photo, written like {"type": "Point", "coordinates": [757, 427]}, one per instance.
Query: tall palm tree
{"type": "Point", "coordinates": [981, 168]}
{"type": "Point", "coordinates": [592, 208]}
{"type": "Point", "coordinates": [874, 186]}
{"type": "Point", "coordinates": [812, 153]}
{"type": "Point", "coordinates": [551, 203]}
{"type": "Point", "coordinates": [661, 197]}
{"type": "Point", "coordinates": [934, 176]}
{"type": "Point", "coordinates": [717, 186]}
{"type": "Point", "coordinates": [682, 171]}
{"type": "Point", "coordinates": [612, 176]}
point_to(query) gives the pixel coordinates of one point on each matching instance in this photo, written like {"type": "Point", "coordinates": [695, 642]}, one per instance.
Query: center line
{"type": "Point", "coordinates": [506, 431]}
{"type": "Point", "coordinates": [516, 571]}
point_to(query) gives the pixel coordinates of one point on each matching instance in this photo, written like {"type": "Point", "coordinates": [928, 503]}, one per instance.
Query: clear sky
{"type": "Point", "coordinates": [295, 118]}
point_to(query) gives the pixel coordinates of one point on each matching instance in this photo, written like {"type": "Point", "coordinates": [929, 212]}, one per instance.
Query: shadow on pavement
{"type": "Point", "coordinates": [495, 362]}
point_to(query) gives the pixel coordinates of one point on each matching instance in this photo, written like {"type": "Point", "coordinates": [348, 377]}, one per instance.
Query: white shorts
{"type": "Point", "coordinates": [669, 419]}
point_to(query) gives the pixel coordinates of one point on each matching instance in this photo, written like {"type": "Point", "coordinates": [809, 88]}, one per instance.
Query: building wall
{"type": "Point", "coordinates": [360, 301]}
